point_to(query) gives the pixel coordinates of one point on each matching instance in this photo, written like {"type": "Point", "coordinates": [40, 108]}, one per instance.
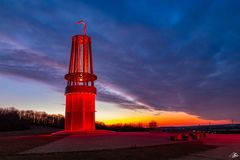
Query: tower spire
{"type": "Point", "coordinates": [84, 25]}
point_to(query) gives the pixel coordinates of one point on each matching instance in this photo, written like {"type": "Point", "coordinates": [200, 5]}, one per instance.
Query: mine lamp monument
{"type": "Point", "coordinates": [80, 91]}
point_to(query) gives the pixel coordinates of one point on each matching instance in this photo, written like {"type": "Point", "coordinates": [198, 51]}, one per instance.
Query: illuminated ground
{"type": "Point", "coordinates": [106, 146]}
{"type": "Point", "coordinates": [227, 144]}
{"type": "Point", "coordinates": [99, 141]}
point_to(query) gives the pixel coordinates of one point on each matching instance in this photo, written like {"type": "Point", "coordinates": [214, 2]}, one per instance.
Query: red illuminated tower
{"type": "Point", "coordinates": [80, 91]}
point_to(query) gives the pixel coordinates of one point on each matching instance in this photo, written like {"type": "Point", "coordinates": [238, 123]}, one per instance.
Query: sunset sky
{"type": "Point", "coordinates": [176, 62]}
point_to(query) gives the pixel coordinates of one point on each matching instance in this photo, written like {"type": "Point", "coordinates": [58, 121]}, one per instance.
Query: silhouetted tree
{"type": "Point", "coordinates": [121, 127]}
{"type": "Point", "coordinates": [13, 119]}
{"type": "Point", "coordinates": [10, 120]}
{"type": "Point", "coordinates": [152, 125]}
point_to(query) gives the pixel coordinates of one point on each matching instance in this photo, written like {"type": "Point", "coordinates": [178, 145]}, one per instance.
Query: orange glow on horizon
{"type": "Point", "coordinates": [179, 119]}
{"type": "Point", "coordinates": [163, 118]}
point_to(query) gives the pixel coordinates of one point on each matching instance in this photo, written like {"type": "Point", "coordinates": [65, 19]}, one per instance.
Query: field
{"type": "Point", "coordinates": [112, 145]}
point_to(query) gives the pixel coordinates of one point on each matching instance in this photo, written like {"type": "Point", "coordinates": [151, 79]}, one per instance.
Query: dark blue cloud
{"type": "Point", "coordinates": [168, 55]}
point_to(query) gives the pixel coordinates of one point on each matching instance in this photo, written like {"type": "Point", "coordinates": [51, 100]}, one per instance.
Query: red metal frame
{"type": "Point", "coordinates": [80, 91]}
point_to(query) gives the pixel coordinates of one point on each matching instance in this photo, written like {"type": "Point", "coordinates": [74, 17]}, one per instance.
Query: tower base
{"type": "Point", "coordinates": [80, 111]}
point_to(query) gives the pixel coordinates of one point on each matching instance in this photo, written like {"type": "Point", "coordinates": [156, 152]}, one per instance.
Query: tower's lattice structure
{"type": "Point", "coordinates": [80, 91]}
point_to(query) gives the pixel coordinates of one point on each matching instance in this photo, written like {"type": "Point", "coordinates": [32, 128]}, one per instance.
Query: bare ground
{"type": "Point", "coordinates": [160, 152]}
{"type": "Point", "coordinates": [34, 130]}
{"type": "Point", "coordinates": [13, 143]}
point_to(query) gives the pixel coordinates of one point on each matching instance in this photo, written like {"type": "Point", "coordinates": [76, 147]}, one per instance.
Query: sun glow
{"type": "Point", "coordinates": [111, 114]}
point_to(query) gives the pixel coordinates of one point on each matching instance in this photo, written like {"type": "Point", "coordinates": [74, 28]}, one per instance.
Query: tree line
{"type": "Point", "coordinates": [14, 119]}
{"type": "Point", "coordinates": [122, 127]}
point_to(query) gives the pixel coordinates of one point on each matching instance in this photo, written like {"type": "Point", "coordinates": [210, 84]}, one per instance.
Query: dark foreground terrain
{"type": "Point", "coordinates": [161, 152]}
{"type": "Point", "coordinates": [13, 144]}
